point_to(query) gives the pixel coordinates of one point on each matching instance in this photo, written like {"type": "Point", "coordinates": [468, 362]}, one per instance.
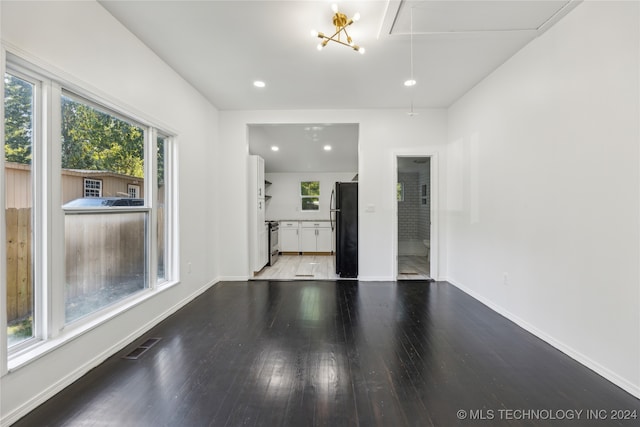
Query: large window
{"type": "Point", "coordinates": [91, 232]}
{"type": "Point", "coordinates": [105, 245]}
{"type": "Point", "coordinates": [310, 195]}
{"type": "Point", "coordinates": [19, 109]}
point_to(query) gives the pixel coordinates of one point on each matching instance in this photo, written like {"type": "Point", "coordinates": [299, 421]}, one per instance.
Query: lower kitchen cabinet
{"type": "Point", "coordinates": [289, 236]}
{"type": "Point", "coordinates": [315, 236]}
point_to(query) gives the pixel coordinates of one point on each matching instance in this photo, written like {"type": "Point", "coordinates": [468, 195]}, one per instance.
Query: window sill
{"type": "Point", "coordinates": [71, 332]}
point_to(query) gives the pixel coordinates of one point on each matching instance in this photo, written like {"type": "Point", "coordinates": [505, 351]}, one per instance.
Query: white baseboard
{"type": "Point", "coordinates": [376, 279]}
{"type": "Point", "coordinates": [49, 392]}
{"type": "Point", "coordinates": [604, 372]}
{"type": "Point", "coordinates": [234, 278]}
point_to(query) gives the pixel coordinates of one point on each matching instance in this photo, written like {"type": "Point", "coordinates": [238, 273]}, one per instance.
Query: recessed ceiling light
{"type": "Point", "coordinates": [410, 82]}
{"type": "Point", "coordinates": [327, 148]}
{"type": "Point", "coordinates": [259, 83]}
{"type": "Point", "coordinates": [274, 148]}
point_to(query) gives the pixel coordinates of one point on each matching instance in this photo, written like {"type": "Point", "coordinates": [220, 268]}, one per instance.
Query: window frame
{"type": "Point", "coordinates": [136, 191]}
{"type": "Point", "coordinates": [38, 233]}
{"type": "Point", "coordinates": [50, 330]}
{"type": "Point", "coordinates": [309, 196]}
{"type": "Point", "coordinates": [85, 189]}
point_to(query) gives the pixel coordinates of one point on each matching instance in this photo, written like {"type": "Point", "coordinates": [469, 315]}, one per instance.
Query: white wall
{"type": "Point", "coordinates": [543, 174]}
{"type": "Point", "coordinates": [285, 192]}
{"type": "Point", "coordinates": [86, 44]}
{"type": "Point", "coordinates": [382, 135]}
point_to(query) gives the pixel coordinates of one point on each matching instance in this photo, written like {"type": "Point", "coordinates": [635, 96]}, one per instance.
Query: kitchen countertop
{"type": "Point", "coordinates": [301, 220]}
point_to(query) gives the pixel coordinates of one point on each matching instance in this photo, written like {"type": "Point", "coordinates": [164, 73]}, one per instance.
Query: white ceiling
{"type": "Point", "coordinates": [301, 147]}
{"type": "Point", "coordinates": [221, 47]}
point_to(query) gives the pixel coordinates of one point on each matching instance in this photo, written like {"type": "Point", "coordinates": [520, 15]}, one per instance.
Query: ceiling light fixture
{"type": "Point", "coordinates": [259, 83]}
{"type": "Point", "coordinates": [327, 148]}
{"type": "Point", "coordinates": [274, 148]}
{"type": "Point", "coordinates": [341, 22]}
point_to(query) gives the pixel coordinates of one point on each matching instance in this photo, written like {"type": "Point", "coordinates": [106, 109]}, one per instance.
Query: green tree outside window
{"type": "Point", "coordinates": [310, 195]}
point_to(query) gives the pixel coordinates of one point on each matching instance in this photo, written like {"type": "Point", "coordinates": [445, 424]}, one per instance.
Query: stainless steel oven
{"type": "Point", "coordinates": [274, 247]}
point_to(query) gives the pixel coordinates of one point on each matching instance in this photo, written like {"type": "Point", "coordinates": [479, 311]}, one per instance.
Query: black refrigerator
{"type": "Point", "coordinates": [345, 214]}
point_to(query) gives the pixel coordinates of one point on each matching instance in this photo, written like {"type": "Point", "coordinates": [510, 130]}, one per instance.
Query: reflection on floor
{"type": "Point", "coordinates": [411, 267]}
{"type": "Point", "coordinates": [300, 267]}
{"type": "Point", "coordinates": [337, 353]}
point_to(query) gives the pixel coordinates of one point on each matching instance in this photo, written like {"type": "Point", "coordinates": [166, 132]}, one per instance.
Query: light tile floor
{"type": "Point", "coordinates": [300, 267]}
{"type": "Point", "coordinates": [322, 267]}
{"type": "Point", "coordinates": [413, 268]}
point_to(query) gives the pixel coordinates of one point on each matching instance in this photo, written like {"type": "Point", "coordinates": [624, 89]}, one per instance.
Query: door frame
{"type": "Point", "coordinates": [434, 244]}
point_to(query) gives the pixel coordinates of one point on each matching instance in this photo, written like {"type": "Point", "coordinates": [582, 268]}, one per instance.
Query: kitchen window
{"type": "Point", "coordinates": [310, 195]}
{"type": "Point", "coordinates": [83, 251]}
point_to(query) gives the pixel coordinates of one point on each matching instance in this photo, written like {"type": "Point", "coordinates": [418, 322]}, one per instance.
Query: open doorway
{"type": "Point", "coordinates": [414, 218]}
{"type": "Point", "coordinates": [300, 165]}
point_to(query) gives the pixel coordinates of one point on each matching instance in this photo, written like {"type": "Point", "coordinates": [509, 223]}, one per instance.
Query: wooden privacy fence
{"type": "Point", "coordinates": [19, 263]}
{"type": "Point", "coordinates": [104, 250]}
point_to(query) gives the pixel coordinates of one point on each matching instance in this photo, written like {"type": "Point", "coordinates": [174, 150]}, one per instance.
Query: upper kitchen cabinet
{"type": "Point", "coordinates": [259, 176]}
{"type": "Point", "coordinates": [258, 237]}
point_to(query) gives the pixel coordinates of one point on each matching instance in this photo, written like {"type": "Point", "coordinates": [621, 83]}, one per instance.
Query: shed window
{"type": "Point", "coordinates": [92, 187]}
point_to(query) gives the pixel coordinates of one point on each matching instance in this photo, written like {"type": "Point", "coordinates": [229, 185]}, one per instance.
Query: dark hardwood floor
{"type": "Point", "coordinates": [344, 353]}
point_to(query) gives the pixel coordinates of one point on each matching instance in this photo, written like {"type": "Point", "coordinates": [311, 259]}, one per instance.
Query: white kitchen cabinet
{"type": "Point", "coordinates": [263, 247]}
{"type": "Point", "coordinates": [258, 233]}
{"type": "Point", "coordinates": [324, 240]}
{"type": "Point", "coordinates": [289, 237]}
{"type": "Point", "coordinates": [308, 239]}
{"type": "Point", "coordinates": [315, 236]}
{"type": "Point", "coordinates": [260, 184]}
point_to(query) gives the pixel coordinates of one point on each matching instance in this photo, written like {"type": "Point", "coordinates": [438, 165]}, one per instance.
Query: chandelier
{"type": "Point", "coordinates": [341, 22]}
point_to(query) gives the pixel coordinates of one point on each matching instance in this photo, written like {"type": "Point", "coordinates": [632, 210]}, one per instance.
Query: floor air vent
{"type": "Point", "coordinates": [137, 352]}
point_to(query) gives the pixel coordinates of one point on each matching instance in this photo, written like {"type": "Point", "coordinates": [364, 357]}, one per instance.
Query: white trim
{"type": "Point", "coordinates": [434, 192]}
{"type": "Point", "coordinates": [3, 256]}
{"type": "Point", "coordinates": [172, 217]}
{"type": "Point", "coordinates": [49, 392]}
{"type": "Point", "coordinates": [92, 181]}
{"type": "Point", "coordinates": [564, 10]}
{"type": "Point", "coordinates": [374, 279]}
{"type": "Point", "coordinates": [606, 373]}
{"type": "Point", "coordinates": [135, 188]}
{"type": "Point", "coordinates": [55, 256]}
{"type": "Point", "coordinates": [37, 179]}
{"type": "Point", "coordinates": [388, 18]}
{"type": "Point", "coordinates": [150, 192]}
{"type": "Point", "coordinates": [235, 278]}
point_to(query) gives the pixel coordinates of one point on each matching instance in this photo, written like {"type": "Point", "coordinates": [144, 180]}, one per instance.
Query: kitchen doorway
{"type": "Point", "coordinates": [413, 214]}
{"type": "Point", "coordinates": [301, 164]}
